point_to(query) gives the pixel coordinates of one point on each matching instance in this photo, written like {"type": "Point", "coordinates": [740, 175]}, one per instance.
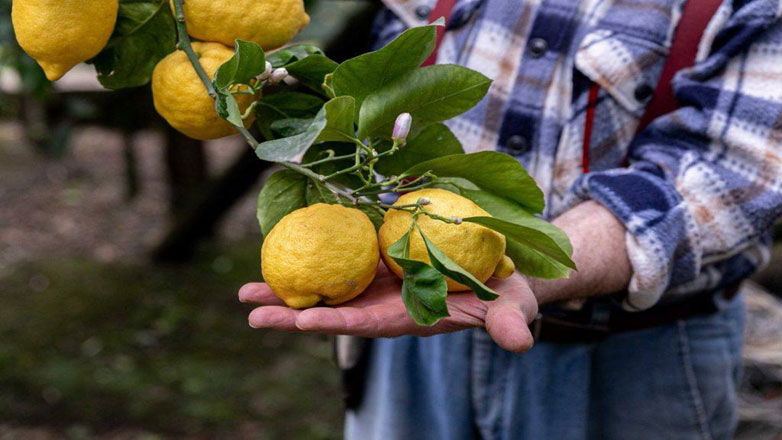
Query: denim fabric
{"type": "Point", "coordinates": [676, 381]}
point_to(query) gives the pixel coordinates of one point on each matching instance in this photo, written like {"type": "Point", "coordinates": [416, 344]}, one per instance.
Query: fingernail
{"type": "Point", "coordinates": [251, 325]}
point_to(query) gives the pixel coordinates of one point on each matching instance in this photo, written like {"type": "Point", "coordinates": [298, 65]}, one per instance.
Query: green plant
{"type": "Point", "coordinates": [349, 133]}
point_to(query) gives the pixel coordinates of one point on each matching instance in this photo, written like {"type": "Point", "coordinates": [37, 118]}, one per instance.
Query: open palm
{"type": "Point", "coordinates": [380, 312]}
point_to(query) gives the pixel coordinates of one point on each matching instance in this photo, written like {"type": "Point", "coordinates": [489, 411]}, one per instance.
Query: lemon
{"type": "Point", "coordinates": [60, 34]}
{"type": "Point", "coordinates": [322, 252]}
{"type": "Point", "coordinates": [181, 98]}
{"type": "Point", "coordinates": [477, 249]}
{"type": "Point", "coordinates": [267, 23]}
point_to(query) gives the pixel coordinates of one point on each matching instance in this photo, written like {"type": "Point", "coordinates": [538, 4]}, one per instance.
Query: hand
{"type": "Point", "coordinates": [379, 312]}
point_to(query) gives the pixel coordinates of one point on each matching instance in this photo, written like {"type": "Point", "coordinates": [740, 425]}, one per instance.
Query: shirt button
{"type": "Point", "coordinates": [517, 143]}
{"type": "Point", "coordinates": [423, 12]}
{"type": "Point", "coordinates": [538, 47]}
{"type": "Point", "coordinates": [643, 92]}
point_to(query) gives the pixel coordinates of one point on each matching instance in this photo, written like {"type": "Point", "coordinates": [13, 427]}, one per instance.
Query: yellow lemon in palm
{"type": "Point", "coordinates": [477, 249]}
{"type": "Point", "coordinates": [267, 23]}
{"type": "Point", "coordinates": [60, 34]}
{"type": "Point", "coordinates": [323, 253]}
{"type": "Point", "coordinates": [181, 98]}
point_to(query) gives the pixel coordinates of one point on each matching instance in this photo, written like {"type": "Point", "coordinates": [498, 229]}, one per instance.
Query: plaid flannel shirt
{"type": "Point", "coordinates": [704, 184]}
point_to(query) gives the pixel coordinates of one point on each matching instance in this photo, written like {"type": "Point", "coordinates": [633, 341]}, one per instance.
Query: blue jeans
{"type": "Point", "coordinates": [676, 381]}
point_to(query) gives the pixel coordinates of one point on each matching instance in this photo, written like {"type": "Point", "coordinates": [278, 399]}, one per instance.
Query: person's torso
{"type": "Point", "coordinates": [543, 55]}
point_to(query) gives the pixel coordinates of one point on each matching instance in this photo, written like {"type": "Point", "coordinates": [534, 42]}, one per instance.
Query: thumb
{"type": "Point", "coordinates": [508, 327]}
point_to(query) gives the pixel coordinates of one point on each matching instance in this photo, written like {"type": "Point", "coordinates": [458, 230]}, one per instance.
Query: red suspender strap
{"type": "Point", "coordinates": [684, 48]}
{"type": "Point", "coordinates": [443, 8]}
{"type": "Point", "coordinates": [589, 125]}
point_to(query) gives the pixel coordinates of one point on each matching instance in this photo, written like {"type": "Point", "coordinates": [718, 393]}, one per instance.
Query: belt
{"type": "Point", "coordinates": [601, 319]}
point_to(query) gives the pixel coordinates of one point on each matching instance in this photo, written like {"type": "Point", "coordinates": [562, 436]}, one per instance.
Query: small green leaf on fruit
{"type": "Point", "coordinates": [283, 193]}
{"type": "Point", "coordinates": [228, 109]}
{"type": "Point", "coordinates": [494, 172]}
{"type": "Point", "coordinates": [446, 266]}
{"type": "Point", "coordinates": [247, 62]}
{"type": "Point", "coordinates": [529, 236]}
{"type": "Point", "coordinates": [424, 289]}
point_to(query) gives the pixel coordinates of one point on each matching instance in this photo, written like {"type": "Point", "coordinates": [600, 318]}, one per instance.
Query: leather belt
{"type": "Point", "coordinates": [601, 319]}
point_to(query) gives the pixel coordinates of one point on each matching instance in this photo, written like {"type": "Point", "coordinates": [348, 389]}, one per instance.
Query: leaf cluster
{"type": "Point", "coordinates": [351, 131]}
{"type": "Point", "coordinates": [331, 129]}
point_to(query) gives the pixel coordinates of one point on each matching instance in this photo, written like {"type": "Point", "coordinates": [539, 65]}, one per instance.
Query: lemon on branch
{"type": "Point", "coordinates": [322, 252]}
{"type": "Point", "coordinates": [60, 34]}
{"type": "Point", "coordinates": [181, 98]}
{"type": "Point", "coordinates": [267, 23]}
{"type": "Point", "coordinates": [477, 249]}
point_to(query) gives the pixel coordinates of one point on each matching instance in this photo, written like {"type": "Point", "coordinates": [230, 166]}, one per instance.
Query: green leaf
{"type": "Point", "coordinates": [290, 126]}
{"type": "Point", "coordinates": [328, 86]}
{"type": "Point", "coordinates": [451, 269]}
{"type": "Point", "coordinates": [247, 62]}
{"type": "Point", "coordinates": [315, 194]}
{"type": "Point", "coordinates": [283, 193]}
{"type": "Point", "coordinates": [339, 120]}
{"type": "Point", "coordinates": [227, 108]}
{"type": "Point", "coordinates": [424, 289]}
{"type": "Point", "coordinates": [525, 232]}
{"type": "Point", "coordinates": [430, 142]}
{"type": "Point", "coordinates": [312, 71]}
{"type": "Point", "coordinates": [144, 34]}
{"type": "Point", "coordinates": [333, 122]}
{"type": "Point", "coordinates": [292, 104]}
{"type": "Point", "coordinates": [291, 54]}
{"type": "Point", "coordinates": [431, 94]}
{"type": "Point", "coordinates": [361, 76]}
{"type": "Point", "coordinates": [494, 172]}
{"type": "Point", "coordinates": [528, 261]}
{"type": "Point", "coordinates": [291, 148]}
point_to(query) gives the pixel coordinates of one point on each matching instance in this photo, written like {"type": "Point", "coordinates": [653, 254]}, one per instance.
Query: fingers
{"type": "Point", "coordinates": [330, 321]}
{"type": "Point", "coordinates": [259, 293]}
{"type": "Point", "coordinates": [509, 328]}
{"type": "Point", "coordinates": [276, 317]}
{"type": "Point", "coordinates": [379, 321]}
{"type": "Point", "coordinates": [508, 318]}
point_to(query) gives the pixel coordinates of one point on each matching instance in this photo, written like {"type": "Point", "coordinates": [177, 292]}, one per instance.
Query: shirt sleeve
{"type": "Point", "coordinates": [705, 182]}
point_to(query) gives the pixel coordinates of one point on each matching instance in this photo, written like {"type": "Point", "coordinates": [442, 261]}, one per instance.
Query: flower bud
{"type": "Point", "coordinates": [291, 81]}
{"type": "Point", "coordinates": [424, 201]}
{"type": "Point", "coordinates": [278, 75]}
{"type": "Point", "coordinates": [402, 127]}
{"type": "Point", "coordinates": [268, 72]}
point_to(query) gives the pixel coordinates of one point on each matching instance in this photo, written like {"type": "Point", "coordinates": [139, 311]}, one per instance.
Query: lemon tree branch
{"type": "Point", "coordinates": [367, 164]}
{"type": "Point", "coordinates": [185, 44]}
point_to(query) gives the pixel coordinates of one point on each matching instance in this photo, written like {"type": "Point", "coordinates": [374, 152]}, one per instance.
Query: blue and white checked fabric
{"type": "Point", "coordinates": [704, 183]}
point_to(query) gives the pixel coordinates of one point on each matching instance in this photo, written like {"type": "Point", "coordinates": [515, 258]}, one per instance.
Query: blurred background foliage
{"type": "Point", "coordinates": [122, 247]}
{"type": "Point", "coordinates": [102, 334]}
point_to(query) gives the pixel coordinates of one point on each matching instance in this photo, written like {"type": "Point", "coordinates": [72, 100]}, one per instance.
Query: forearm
{"type": "Point", "coordinates": [599, 251]}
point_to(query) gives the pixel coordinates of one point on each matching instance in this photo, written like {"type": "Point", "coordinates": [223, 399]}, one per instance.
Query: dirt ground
{"type": "Point", "coordinates": [79, 201]}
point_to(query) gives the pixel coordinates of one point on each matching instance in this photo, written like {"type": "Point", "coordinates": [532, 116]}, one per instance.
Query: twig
{"type": "Point", "coordinates": [186, 45]}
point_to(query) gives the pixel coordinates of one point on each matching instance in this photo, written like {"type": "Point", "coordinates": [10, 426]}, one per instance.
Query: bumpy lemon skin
{"type": "Point", "coordinates": [60, 34]}
{"type": "Point", "coordinates": [505, 268]}
{"type": "Point", "coordinates": [267, 23]}
{"type": "Point", "coordinates": [475, 248]}
{"type": "Point", "coordinates": [181, 99]}
{"type": "Point", "coordinates": [323, 253]}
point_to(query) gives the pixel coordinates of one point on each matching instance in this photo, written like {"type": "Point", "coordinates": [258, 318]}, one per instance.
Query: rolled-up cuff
{"type": "Point", "coordinates": [660, 230]}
